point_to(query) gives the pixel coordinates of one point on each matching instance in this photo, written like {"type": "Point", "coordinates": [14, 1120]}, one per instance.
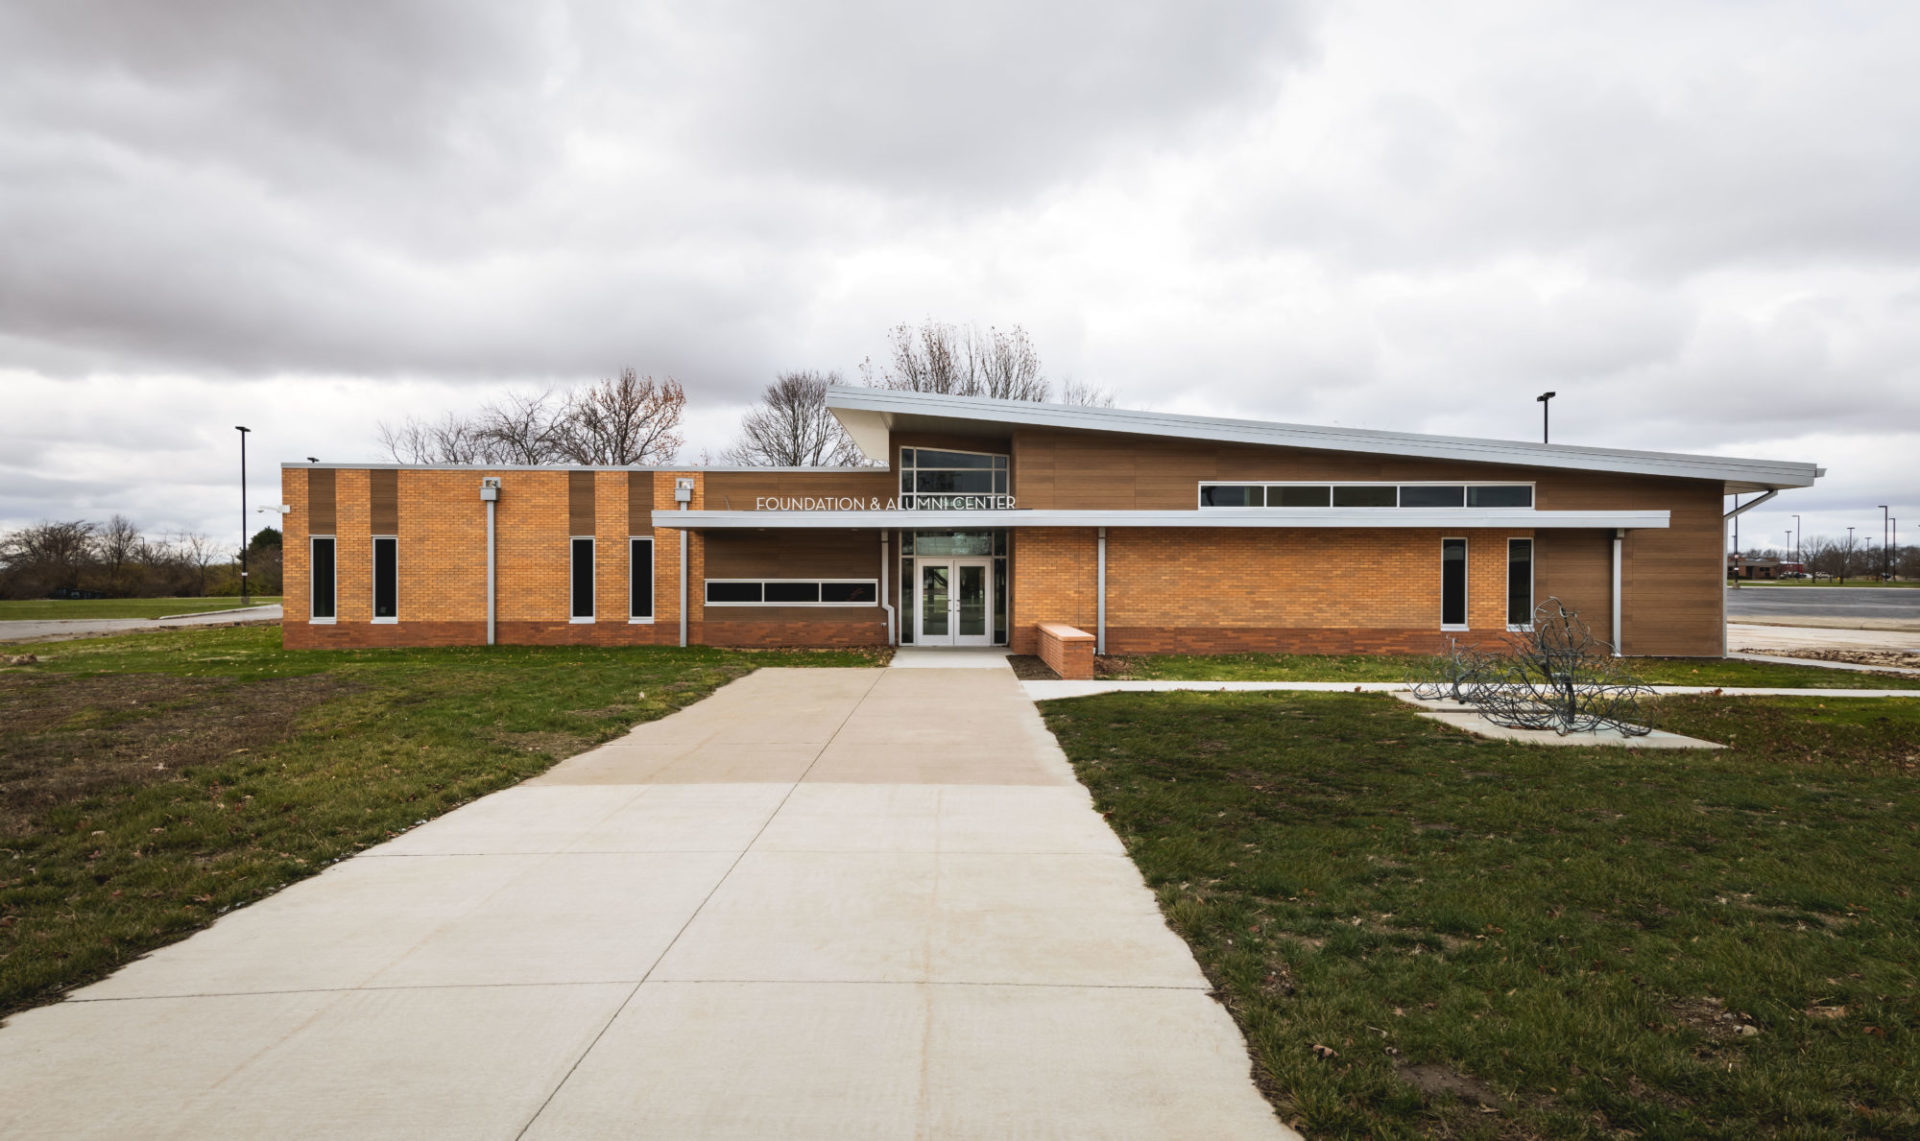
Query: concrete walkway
{"type": "Point", "coordinates": [819, 904]}
{"type": "Point", "coordinates": [60, 629]}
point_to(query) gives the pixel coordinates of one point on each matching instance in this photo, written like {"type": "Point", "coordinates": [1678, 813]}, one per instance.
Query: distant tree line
{"type": "Point", "coordinates": [1833, 557]}
{"type": "Point", "coordinates": [115, 559]}
{"type": "Point", "coordinates": [624, 420]}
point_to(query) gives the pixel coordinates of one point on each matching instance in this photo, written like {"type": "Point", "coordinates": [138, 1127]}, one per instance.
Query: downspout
{"type": "Point", "coordinates": [1100, 594]}
{"type": "Point", "coordinates": [1720, 572]}
{"type": "Point", "coordinates": [683, 495]}
{"type": "Point", "coordinates": [490, 492]}
{"type": "Point", "coordinates": [1619, 539]}
{"type": "Point", "coordinates": [884, 596]}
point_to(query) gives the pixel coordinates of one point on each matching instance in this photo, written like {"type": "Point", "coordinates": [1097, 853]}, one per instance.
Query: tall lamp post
{"type": "Point", "coordinates": [1886, 553]}
{"type": "Point", "coordinates": [1543, 398]}
{"type": "Point", "coordinates": [1847, 565]}
{"type": "Point", "coordinates": [1798, 557]}
{"type": "Point", "coordinates": [244, 597]}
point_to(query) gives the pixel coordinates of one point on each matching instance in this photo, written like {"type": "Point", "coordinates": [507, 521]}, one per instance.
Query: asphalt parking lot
{"type": "Point", "coordinates": [1760, 603]}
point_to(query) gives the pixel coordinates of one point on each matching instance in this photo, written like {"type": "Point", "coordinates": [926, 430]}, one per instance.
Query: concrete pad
{"type": "Point", "coordinates": [812, 917]}
{"type": "Point", "coordinates": [1467, 719]}
{"type": "Point", "coordinates": [134, 1069]}
{"type": "Point", "coordinates": [883, 763]}
{"type": "Point", "coordinates": [719, 762]}
{"type": "Point", "coordinates": [1072, 1063]}
{"type": "Point", "coordinates": [950, 658]}
{"type": "Point", "coordinates": [528, 818]}
{"type": "Point", "coordinates": [686, 818]}
{"type": "Point", "coordinates": [801, 1062]}
{"type": "Point", "coordinates": [332, 932]}
{"type": "Point", "coordinates": [576, 918]}
{"type": "Point", "coordinates": [440, 1062]}
{"type": "Point", "coordinates": [831, 817]}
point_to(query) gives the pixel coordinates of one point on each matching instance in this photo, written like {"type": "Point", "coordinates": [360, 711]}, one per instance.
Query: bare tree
{"type": "Point", "coordinates": [793, 427]}
{"type": "Point", "coordinates": [963, 361]}
{"type": "Point", "coordinates": [628, 419]}
{"type": "Point", "coordinates": [449, 440]}
{"type": "Point", "coordinates": [1090, 395]}
{"type": "Point", "coordinates": [198, 552]}
{"type": "Point", "coordinates": [119, 544]}
{"type": "Point", "coordinates": [521, 428]}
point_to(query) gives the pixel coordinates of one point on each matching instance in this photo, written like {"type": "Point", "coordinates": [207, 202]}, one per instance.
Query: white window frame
{"type": "Point", "coordinates": [910, 500]}
{"type": "Point", "coordinates": [593, 585]}
{"type": "Point", "coordinates": [653, 578]}
{"type": "Point", "coordinates": [329, 621]}
{"type": "Point", "coordinates": [873, 582]}
{"type": "Point", "coordinates": [373, 583]}
{"type": "Point", "coordinates": [1466, 581]}
{"type": "Point", "coordinates": [1533, 592]}
{"type": "Point", "coordinates": [1330, 484]}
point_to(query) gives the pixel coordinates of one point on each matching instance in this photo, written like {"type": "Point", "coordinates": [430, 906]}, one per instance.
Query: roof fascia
{"type": "Point", "coordinates": [1515, 518]}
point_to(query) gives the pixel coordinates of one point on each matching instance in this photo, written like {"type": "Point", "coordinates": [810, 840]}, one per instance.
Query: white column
{"type": "Point", "coordinates": [1100, 596]}
{"type": "Point", "coordinates": [1619, 536]}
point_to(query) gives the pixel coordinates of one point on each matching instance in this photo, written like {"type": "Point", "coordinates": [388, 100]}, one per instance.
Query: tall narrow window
{"type": "Point", "coordinates": [582, 580]}
{"type": "Point", "coordinates": [322, 578]}
{"type": "Point", "coordinates": [1453, 584]}
{"type": "Point", "coordinates": [386, 579]}
{"type": "Point", "coordinates": [1520, 583]}
{"type": "Point", "coordinates": [640, 580]}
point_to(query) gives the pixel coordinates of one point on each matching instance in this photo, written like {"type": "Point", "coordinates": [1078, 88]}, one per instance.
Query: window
{"type": "Point", "coordinates": [1425, 495]}
{"type": "Point", "coordinates": [1364, 495]}
{"type": "Point", "coordinates": [582, 580]}
{"type": "Point", "coordinates": [936, 480]}
{"type": "Point", "coordinates": [386, 579]}
{"type": "Point", "coordinates": [1307, 495]}
{"type": "Point", "coordinates": [1453, 584]}
{"type": "Point", "coordinates": [640, 580]}
{"type": "Point", "coordinates": [1232, 495]}
{"type": "Point", "coordinates": [1520, 584]}
{"type": "Point", "coordinates": [322, 581]}
{"type": "Point", "coordinates": [793, 592]}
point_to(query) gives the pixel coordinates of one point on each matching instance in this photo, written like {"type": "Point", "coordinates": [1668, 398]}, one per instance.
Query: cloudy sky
{"type": "Point", "coordinates": [1696, 221]}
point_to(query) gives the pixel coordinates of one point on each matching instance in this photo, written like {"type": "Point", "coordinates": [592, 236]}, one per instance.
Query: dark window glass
{"type": "Point", "coordinates": [1000, 462]}
{"type": "Point", "coordinates": [583, 578]}
{"type": "Point", "coordinates": [1500, 496]}
{"type": "Point", "coordinates": [1299, 496]}
{"type": "Point", "coordinates": [906, 480]}
{"type": "Point", "coordinates": [1232, 495]}
{"type": "Point", "coordinates": [950, 482]}
{"type": "Point", "coordinates": [1519, 582]}
{"type": "Point", "coordinates": [640, 552]}
{"type": "Point", "coordinates": [999, 602]}
{"type": "Point", "coordinates": [1000, 482]}
{"type": "Point", "coordinates": [1364, 495]}
{"type": "Point", "coordinates": [733, 591]}
{"type": "Point", "coordinates": [931, 458]}
{"type": "Point", "coordinates": [386, 578]}
{"type": "Point", "coordinates": [323, 578]}
{"type": "Point", "coordinates": [906, 542]}
{"type": "Point", "coordinates": [850, 593]}
{"type": "Point", "coordinates": [1000, 543]}
{"type": "Point", "coordinates": [906, 457]}
{"type": "Point", "coordinates": [1453, 582]}
{"type": "Point", "coordinates": [1433, 496]}
{"type": "Point", "coordinates": [793, 592]}
{"type": "Point", "coordinates": [906, 600]}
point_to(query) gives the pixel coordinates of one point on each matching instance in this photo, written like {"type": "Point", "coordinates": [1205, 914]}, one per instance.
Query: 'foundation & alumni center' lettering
{"type": "Point", "coordinates": [1154, 533]}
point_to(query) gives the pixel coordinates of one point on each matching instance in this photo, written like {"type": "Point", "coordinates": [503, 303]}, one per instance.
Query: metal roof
{"type": "Point", "coordinates": [908, 519]}
{"type": "Point", "coordinates": [871, 414]}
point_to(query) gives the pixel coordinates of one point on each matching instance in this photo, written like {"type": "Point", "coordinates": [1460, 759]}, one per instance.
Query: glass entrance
{"type": "Point", "coordinates": [956, 603]}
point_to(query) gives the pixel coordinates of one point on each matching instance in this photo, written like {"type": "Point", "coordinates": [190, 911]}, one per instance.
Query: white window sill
{"type": "Point", "coordinates": [639, 621]}
{"type": "Point", "coordinates": [386, 621]}
{"type": "Point", "coordinates": [320, 621]}
{"type": "Point", "coordinates": [1444, 626]}
{"type": "Point", "coordinates": [1519, 629]}
{"type": "Point", "coordinates": [580, 621]}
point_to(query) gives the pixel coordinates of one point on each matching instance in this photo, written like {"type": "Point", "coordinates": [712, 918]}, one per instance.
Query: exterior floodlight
{"type": "Point", "coordinates": [683, 490]}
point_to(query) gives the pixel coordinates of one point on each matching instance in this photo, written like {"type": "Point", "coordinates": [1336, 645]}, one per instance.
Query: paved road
{"type": "Point", "coordinates": [819, 904]}
{"type": "Point", "coordinates": [1759, 603]}
{"type": "Point", "coordinates": [56, 629]}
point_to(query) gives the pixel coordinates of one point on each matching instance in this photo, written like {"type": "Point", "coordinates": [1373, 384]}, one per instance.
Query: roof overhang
{"type": "Point", "coordinates": [1518, 518]}
{"type": "Point", "coordinates": [870, 415]}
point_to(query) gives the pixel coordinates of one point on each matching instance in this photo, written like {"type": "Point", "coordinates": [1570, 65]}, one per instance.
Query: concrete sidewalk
{"type": "Point", "coordinates": [821, 903]}
{"type": "Point", "coordinates": [60, 629]}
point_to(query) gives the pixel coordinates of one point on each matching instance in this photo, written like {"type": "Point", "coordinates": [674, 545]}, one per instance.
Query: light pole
{"type": "Point", "coordinates": [1543, 398]}
{"type": "Point", "coordinates": [1846, 564]}
{"type": "Point", "coordinates": [1886, 564]}
{"type": "Point", "coordinates": [1797, 556]}
{"type": "Point", "coordinates": [244, 598]}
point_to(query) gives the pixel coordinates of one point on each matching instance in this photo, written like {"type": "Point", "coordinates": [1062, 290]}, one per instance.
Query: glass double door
{"type": "Point", "coordinates": [955, 603]}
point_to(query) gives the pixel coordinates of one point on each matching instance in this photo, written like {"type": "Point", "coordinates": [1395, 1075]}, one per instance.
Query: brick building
{"type": "Point", "coordinates": [1155, 533]}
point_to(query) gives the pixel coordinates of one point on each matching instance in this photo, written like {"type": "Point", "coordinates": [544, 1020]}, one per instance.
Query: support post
{"type": "Point", "coordinates": [490, 589]}
{"type": "Point", "coordinates": [1100, 595]}
{"type": "Point", "coordinates": [683, 582]}
{"type": "Point", "coordinates": [886, 600]}
{"type": "Point", "coordinates": [1619, 537]}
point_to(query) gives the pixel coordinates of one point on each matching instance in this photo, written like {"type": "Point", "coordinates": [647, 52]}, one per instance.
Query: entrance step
{"type": "Point", "coordinates": [951, 658]}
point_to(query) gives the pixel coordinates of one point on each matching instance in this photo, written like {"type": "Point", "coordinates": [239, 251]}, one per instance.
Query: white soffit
{"type": "Point", "coordinates": [871, 414]}
{"type": "Point", "coordinates": [1514, 518]}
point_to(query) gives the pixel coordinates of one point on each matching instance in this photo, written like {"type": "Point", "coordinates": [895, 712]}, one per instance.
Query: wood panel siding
{"type": "Point", "coordinates": [580, 503]}
{"type": "Point", "coordinates": [640, 503]}
{"type": "Point", "coordinates": [793, 554]}
{"type": "Point", "coordinates": [1672, 589]}
{"type": "Point", "coordinates": [737, 490]}
{"type": "Point", "coordinates": [383, 489]}
{"type": "Point", "coordinates": [322, 516]}
{"type": "Point", "coordinates": [1577, 568]}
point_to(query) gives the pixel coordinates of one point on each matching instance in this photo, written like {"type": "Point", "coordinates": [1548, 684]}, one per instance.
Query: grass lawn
{"type": "Point", "coordinates": [45, 609]}
{"type": "Point", "coordinates": [1387, 667]}
{"type": "Point", "coordinates": [1424, 933]}
{"type": "Point", "coordinates": [149, 782]}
